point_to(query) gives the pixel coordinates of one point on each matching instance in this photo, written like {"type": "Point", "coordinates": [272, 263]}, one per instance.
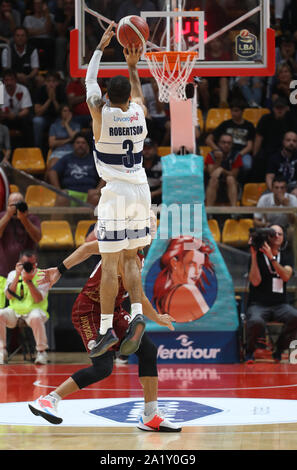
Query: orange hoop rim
{"type": "Point", "coordinates": [171, 55]}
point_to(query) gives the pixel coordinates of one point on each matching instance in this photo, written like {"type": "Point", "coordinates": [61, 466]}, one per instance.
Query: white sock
{"type": "Point", "coordinates": [150, 408]}
{"type": "Point", "coordinates": [55, 395]}
{"type": "Point", "coordinates": [136, 309]}
{"type": "Point", "coordinates": [105, 323]}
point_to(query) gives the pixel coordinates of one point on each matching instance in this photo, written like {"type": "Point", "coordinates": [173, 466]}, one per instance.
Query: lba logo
{"type": "Point", "coordinates": [186, 350]}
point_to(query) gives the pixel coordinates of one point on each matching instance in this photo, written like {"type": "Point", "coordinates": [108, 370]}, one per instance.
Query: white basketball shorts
{"type": "Point", "coordinates": [123, 216]}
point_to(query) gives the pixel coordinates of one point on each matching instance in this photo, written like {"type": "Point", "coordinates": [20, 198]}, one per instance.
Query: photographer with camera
{"type": "Point", "coordinates": [19, 231]}
{"type": "Point", "coordinates": [269, 271]}
{"type": "Point", "coordinates": [27, 300]}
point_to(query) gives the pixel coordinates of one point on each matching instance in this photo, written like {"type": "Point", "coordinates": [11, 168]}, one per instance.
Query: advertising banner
{"type": "Point", "coordinates": [184, 273]}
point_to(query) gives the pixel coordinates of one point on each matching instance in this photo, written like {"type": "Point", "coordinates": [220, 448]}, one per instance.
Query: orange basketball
{"type": "Point", "coordinates": [132, 30]}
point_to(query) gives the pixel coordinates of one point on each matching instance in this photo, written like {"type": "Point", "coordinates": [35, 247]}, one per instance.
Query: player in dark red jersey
{"type": "Point", "coordinates": [86, 320]}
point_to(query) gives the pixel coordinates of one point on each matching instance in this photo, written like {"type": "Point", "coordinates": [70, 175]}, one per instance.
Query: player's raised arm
{"type": "Point", "coordinates": [132, 56]}
{"type": "Point", "coordinates": [52, 275]}
{"type": "Point", "coordinates": [94, 95]}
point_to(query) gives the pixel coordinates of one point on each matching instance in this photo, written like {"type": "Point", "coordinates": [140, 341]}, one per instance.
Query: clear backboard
{"type": "Point", "coordinates": [231, 37]}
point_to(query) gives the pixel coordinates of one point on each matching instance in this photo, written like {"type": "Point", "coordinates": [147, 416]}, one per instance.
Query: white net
{"type": "Point", "coordinates": [171, 75]}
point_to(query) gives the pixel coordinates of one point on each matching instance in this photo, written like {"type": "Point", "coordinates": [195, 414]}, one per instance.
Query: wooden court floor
{"type": "Point", "coordinates": [21, 382]}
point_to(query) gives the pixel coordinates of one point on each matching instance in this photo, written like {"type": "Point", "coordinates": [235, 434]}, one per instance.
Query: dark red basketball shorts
{"type": "Point", "coordinates": [86, 316]}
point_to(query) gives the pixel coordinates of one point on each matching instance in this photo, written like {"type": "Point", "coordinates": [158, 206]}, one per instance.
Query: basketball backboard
{"type": "Point", "coordinates": [232, 38]}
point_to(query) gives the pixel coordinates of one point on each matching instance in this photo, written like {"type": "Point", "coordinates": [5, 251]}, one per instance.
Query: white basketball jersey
{"type": "Point", "coordinates": [118, 153]}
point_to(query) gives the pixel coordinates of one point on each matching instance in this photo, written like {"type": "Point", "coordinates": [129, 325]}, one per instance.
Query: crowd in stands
{"type": "Point", "coordinates": [44, 107]}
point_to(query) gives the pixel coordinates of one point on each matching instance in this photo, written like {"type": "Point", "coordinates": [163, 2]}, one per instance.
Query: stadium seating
{"type": "Point", "coordinates": [13, 188]}
{"type": "Point", "coordinates": [254, 114]}
{"type": "Point", "coordinates": [200, 119]}
{"type": "Point", "coordinates": [56, 234]}
{"type": "Point", "coordinates": [244, 230]}
{"type": "Point", "coordinates": [40, 196]}
{"type": "Point", "coordinates": [28, 159]}
{"type": "Point", "coordinates": [81, 231]}
{"type": "Point", "coordinates": [163, 151]}
{"type": "Point", "coordinates": [251, 193]}
{"type": "Point", "coordinates": [236, 232]}
{"type": "Point", "coordinates": [215, 230]}
{"type": "Point", "coordinates": [215, 117]}
{"type": "Point", "coordinates": [229, 233]}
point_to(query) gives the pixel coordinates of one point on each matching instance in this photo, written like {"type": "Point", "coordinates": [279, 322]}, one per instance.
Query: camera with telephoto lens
{"type": "Point", "coordinates": [21, 206]}
{"type": "Point", "coordinates": [28, 267]}
{"type": "Point", "coordinates": [259, 236]}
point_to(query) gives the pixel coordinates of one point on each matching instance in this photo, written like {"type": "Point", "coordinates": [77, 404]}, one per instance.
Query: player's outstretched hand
{"type": "Point", "coordinates": [166, 320]}
{"type": "Point", "coordinates": [132, 55]}
{"type": "Point", "coordinates": [48, 276]}
{"type": "Point", "coordinates": [106, 38]}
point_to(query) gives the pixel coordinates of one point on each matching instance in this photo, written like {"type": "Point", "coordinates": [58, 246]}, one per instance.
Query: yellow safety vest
{"type": "Point", "coordinates": [27, 304]}
{"type": "Point", "coordinates": [2, 293]}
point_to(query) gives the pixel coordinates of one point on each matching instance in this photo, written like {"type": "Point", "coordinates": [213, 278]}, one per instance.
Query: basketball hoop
{"type": "Point", "coordinates": [171, 70]}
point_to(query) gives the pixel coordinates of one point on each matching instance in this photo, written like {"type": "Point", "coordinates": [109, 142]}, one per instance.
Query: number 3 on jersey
{"type": "Point", "coordinates": [128, 159]}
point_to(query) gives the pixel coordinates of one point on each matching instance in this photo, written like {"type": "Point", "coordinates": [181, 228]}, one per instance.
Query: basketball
{"type": "Point", "coordinates": [132, 30]}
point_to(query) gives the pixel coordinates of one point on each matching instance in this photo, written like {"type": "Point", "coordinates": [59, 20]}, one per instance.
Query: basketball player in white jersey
{"type": "Point", "coordinates": [119, 129]}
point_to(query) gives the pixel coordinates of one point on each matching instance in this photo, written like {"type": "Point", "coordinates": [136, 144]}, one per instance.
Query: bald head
{"type": "Point", "coordinates": [13, 199]}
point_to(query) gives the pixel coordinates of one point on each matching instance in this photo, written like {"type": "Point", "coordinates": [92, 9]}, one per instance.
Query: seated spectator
{"type": "Point", "coordinates": [153, 168]}
{"type": "Point", "coordinates": [269, 135]}
{"type": "Point", "coordinates": [22, 58]}
{"type": "Point", "coordinates": [213, 93]}
{"type": "Point", "coordinates": [284, 163]}
{"type": "Point", "coordinates": [16, 108]}
{"type": "Point", "coordinates": [76, 174]}
{"type": "Point", "coordinates": [269, 271]}
{"type": "Point", "coordinates": [289, 21]}
{"type": "Point", "coordinates": [19, 231]}
{"type": "Point", "coordinates": [5, 146]}
{"type": "Point", "coordinates": [217, 50]}
{"type": "Point", "coordinates": [286, 53]}
{"type": "Point", "coordinates": [279, 9]}
{"type": "Point", "coordinates": [278, 197]}
{"type": "Point", "coordinates": [252, 90]}
{"type": "Point", "coordinates": [157, 120]}
{"type": "Point", "coordinates": [282, 87]}
{"type": "Point", "coordinates": [40, 26]}
{"type": "Point", "coordinates": [9, 20]}
{"type": "Point", "coordinates": [47, 104]}
{"type": "Point", "coordinates": [242, 131]}
{"type": "Point", "coordinates": [64, 21]}
{"type": "Point", "coordinates": [222, 167]}
{"type": "Point", "coordinates": [61, 135]}
{"type": "Point", "coordinates": [27, 301]}
{"type": "Point", "coordinates": [76, 94]}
